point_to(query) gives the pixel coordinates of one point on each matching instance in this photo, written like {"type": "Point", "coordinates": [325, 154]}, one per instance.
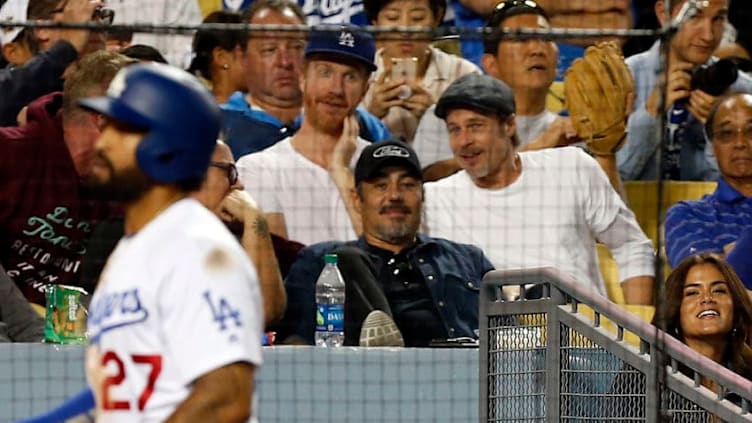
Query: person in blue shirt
{"type": "Point", "coordinates": [720, 222]}
{"type": "Point", "coordinates": [271, 109]}
{"type": "Point", "coordinates": [428, 286]}
{"type": "Point", "coordinates": [686, 155]}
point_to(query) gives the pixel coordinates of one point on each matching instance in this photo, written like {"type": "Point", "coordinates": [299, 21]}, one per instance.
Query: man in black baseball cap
{"type": "Point", "coordinates": [402, 287]}
{"type": "Point", "coordinates": [377, 157]}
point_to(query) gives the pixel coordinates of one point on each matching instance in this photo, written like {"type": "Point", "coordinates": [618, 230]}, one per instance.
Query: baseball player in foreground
{"type": "Point", "coordinates": [176, 320]}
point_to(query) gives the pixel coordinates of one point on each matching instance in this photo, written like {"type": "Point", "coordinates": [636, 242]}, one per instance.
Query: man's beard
{"type": "Point", "coordinates": [124, 186]}
{"type": "Point", "coordinates": [397, 231]}
{"type": "Point", "coordinates": [324, 123]}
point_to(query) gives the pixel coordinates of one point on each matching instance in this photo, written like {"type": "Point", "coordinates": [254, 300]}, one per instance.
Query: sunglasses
{"type": "Point", "coordinates": [504, 10]}
{"type": "Point", "coordinates": [230, 170]}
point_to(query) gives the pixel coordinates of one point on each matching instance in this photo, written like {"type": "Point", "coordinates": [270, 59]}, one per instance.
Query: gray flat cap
{"type": "Point", "coordinates": [477, 92]}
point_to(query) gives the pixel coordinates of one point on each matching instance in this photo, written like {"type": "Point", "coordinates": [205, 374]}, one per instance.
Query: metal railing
{"type": "Point", "coordinates": [553, 359]}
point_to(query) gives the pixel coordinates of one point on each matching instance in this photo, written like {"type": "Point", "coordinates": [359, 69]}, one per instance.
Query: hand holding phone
{"type": "Point", "coordinates": [404, 69]}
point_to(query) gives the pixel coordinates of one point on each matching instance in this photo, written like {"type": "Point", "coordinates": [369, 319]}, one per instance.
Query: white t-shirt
{"type": "Point", "coordinates": [550, 216]}
{"type": "Point", "coordinates": [175, 301]}
{"type": "Point", "coordinates": [431, 142]}
{"type": "Point", "coordinates": [174, 47]}
{"type": "Point", "coordinates": [531, 127]}
{"type": "Point", "coordinates": [281, 180]}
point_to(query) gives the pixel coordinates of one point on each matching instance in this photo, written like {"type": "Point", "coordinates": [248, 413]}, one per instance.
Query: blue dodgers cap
{"type": "Point", "coordinates": [343, 40]}
{"type": "Point", "coordinates": [379, 155]}
{"type": "Point", "coordinates": [477, 92]}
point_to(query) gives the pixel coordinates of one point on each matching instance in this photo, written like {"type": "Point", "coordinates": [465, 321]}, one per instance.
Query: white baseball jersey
{"type": "Point", "coordinates": [175, 301]}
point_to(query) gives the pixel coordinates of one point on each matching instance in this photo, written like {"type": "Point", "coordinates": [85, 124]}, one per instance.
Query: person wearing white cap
{"type": "Point", "coordinates": [15, 45]}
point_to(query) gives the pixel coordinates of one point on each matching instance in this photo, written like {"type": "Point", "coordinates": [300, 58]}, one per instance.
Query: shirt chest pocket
{"type": "Point", "coordinates": [462, 293]}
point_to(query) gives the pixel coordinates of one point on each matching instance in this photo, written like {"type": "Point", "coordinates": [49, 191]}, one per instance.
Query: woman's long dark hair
{"type": "Point", "coordinates": [738, 355]}
{"type": "Point", "coordinates": [205, 41]}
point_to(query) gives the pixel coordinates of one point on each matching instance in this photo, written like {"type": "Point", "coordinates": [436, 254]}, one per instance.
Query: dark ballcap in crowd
{"type": "Point", "coordinates": [347, 41]}
{"type": "Point", "coordinates": [380, 155]}
{"type": "Point", "coordinates": [477, 92]}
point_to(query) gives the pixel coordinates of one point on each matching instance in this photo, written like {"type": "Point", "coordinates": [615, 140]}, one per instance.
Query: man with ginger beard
{"type": "Point", "coordinates": [271, 109]}
{"type": "Point", "coordinates": [303, 182]}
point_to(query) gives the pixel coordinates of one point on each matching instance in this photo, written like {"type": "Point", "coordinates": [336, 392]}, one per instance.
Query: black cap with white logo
{"type": "Point", "coordinates": [379, 155]}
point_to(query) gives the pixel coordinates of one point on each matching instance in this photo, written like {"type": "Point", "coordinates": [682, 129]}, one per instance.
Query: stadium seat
{"type": "Point", "coordinates": [642, 198]}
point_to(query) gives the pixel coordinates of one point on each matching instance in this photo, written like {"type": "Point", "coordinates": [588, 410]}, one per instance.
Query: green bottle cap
{"type": "Point", "coordinates": [330, 259]}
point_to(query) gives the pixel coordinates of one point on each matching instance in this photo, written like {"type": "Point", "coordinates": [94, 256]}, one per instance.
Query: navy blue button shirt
{"type": "Point", "coordinates": [452, 272]}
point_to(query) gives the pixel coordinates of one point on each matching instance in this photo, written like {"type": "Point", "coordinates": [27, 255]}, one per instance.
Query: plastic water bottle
{"type": "Point", "coordinates": [330, 305]}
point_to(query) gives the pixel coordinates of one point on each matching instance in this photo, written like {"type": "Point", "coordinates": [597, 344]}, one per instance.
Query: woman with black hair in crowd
{"type": "Point", "coordinates": [218, 56]}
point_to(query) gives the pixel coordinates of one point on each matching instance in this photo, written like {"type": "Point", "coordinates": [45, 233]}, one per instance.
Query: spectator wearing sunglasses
{"type": "Point", "coordinates": [222, 193]}
{"type": "Point", "coordinates": [529, 68]}
{"type": "Point", "coordinates": [594, 14]}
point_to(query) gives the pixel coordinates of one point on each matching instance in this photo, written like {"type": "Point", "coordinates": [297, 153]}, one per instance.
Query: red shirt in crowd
{"type": "Point", "coordinates": [46, 214]}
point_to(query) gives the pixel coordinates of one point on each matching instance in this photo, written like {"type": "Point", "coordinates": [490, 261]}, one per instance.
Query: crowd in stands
{"type": "Point", "coordinates": [422, 168]}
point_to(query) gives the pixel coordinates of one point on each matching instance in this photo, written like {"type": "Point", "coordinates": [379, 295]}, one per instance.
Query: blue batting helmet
{"type": "Point", "coordinates": [177, 112]}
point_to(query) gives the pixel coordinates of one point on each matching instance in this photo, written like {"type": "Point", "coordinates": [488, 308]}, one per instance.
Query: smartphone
{"type": "Point", "coordinates": [404, 68]}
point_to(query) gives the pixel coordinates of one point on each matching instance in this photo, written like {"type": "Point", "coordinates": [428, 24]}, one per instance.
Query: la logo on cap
{"type": "Point", "coordinates": [392, 151]}
{"type": "Point", "coordinates": [346, 39]}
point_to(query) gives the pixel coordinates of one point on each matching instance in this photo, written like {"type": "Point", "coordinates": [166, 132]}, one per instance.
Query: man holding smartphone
{"type": "Point", "coordinates": [303, 182]}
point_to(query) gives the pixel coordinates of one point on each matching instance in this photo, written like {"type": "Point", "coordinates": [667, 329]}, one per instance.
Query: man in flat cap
{"type": "Point", "coordinates": [428, 286]}
{"type": "Point", "coordinates": [530, 209]}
